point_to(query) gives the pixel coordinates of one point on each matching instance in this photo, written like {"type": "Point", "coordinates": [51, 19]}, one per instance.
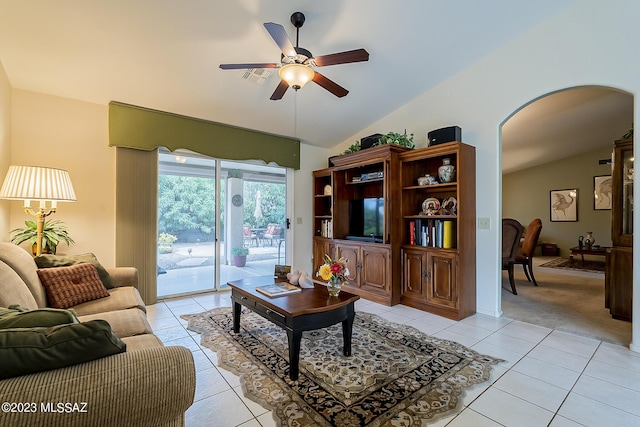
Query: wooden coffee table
{"type": "Point", "coordinates": [599, 251]}
{"type": "Point", "coordinates": [306, 310]}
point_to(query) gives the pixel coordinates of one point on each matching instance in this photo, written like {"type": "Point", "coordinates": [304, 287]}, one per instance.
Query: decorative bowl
{"type": "Point", "coordinates": [427, 180]}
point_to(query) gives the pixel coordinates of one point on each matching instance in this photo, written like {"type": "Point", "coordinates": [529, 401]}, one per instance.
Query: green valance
{"type": "Point", "coordinates": [142, 128]}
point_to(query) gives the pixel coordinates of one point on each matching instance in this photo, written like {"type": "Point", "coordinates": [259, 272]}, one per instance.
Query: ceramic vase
{"type": "Point", "coordinates": [447, 172]}
{"type": "Point", "coordinates": [589, 240]}
{"type": "Point", "coordinates": [334, 285]}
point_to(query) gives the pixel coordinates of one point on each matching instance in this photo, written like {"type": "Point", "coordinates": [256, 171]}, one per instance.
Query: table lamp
{"type": "Point", "coordinates": [41, 184]}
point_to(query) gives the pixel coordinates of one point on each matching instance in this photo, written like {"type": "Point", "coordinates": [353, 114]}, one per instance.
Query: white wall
{"type": "Point", "coordinates": [5, 148]}
{"type": "Point", "coordinates": [589, 43]}
{"type": "Point", "coordinates": [311, 158]}
{"type": "Point", "coordinates": [71, 135]}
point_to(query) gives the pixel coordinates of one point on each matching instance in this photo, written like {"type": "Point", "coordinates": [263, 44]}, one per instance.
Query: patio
{"type": "Point", "coordinates": [189, 267]}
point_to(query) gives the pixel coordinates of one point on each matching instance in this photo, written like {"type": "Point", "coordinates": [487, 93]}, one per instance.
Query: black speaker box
{"type": "Point", "coordinates": [369, 141]}
{"type": "Point", "coordinates": [448, 134]}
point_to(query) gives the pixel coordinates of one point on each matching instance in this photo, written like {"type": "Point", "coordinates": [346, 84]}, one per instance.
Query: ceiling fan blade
{"type": "Point", "coordinates": [240, 66]}
{"type": "Point", "coordinates": [280, 90]}
{"type": "Point", "coordinates": [279, 35]}
{"type": "Point", "coordinates": [330, 85]}
{"type": "Point", "coordinates": [357, 55]}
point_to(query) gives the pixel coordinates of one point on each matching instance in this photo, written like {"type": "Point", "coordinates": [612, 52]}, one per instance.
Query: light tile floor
{"type": "Point", "coordinates": [550, 378]}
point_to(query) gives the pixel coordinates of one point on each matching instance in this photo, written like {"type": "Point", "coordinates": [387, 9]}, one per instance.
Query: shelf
{"type": "Point", "coordinates": [446, 186]}
{"type": "Point", "coordinates": [323, 217]}
{"type": "Point", "coordinates": [365, 181]}
{"type": "Point", "coordinates": [432, 248]}
{"type": "Point", "coordinates": [322, 195]}
{"type": "Point", "coordinates": [430, 217]}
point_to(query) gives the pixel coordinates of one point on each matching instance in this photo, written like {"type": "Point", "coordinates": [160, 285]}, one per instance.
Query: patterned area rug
{"type": "Point", "coordinates": [577, 264]}
{"type": "Point", "coordinates": [396, 376]}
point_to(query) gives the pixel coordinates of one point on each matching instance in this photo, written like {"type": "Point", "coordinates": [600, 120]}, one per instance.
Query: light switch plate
{"type": "Point", "coordinates": [484, 223]}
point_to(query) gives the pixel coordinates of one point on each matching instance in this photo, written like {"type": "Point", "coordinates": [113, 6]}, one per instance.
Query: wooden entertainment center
{"type": "Point", "coordinates": [389, 262]}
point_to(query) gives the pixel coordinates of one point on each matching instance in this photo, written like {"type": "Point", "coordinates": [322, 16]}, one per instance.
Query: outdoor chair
{"type": "Point", "coordinates": [249, 236]}
{"type": "Point", "coordinates": [274, 232]}
{"type": "Point", "coordinates": [511, 233]}
{"type": "Point", "coordinates": [525, 257]}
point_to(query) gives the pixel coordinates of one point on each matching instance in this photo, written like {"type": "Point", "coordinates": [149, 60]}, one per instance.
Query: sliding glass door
{"type": "Point", "coordinates": [218, 220]}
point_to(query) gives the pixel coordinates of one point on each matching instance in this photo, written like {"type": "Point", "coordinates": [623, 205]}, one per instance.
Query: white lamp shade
{"type": "Point", "coordinates": [296, 75]}
{"type": "Point", "coordinates": [37, 183]}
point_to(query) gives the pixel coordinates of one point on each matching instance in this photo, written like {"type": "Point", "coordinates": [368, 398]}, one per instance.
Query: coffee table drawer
{"type": "Point", "coordinates": [246, 301]}
{"type": "Point", "coordinates": [270, 314]}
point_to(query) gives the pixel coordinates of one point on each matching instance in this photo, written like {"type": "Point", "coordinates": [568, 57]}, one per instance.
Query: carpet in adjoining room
{"type": "Point", "coordinates": [396, 375]}
{"type": "Point", "coordinates": [568, 301]}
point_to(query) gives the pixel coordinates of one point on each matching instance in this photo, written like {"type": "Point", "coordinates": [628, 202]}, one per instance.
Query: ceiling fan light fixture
{"type": "Point", "coordinates": [296, 75]}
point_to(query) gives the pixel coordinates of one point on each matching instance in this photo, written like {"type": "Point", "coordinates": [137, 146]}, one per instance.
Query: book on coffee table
{"type": "Point", "coordinates": [278, 289]}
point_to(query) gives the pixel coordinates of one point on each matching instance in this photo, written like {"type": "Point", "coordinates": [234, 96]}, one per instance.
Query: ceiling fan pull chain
{"type": "Point", "coordinates": [295, 114]}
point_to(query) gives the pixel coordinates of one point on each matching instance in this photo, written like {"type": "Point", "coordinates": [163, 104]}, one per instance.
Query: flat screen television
{"type": "Point", "coordinates": [366, 219]}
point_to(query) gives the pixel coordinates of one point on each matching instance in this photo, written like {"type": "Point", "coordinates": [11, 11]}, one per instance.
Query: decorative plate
{"type": "Point", "coordinates": [449, 206]}
{"type": "Point", "coordinates": [430, 206]}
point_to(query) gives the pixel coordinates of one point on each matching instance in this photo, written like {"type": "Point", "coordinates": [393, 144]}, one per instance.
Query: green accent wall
{"type": "Point", "coordinates": [142, 128]}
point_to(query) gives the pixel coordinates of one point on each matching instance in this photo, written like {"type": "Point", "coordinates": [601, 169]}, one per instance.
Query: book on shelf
{"type": "Point", "coordinates": [432, 232]}
{"type": "Point", "coordinates": [326, 228]}
{"type": "Point", "coordinates": [448, 235]}
{"type": "Point", "coordinates": [278, 289]}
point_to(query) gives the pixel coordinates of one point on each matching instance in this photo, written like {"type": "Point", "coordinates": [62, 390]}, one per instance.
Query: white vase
{"type": "Point", "coordinates": [447, 172]}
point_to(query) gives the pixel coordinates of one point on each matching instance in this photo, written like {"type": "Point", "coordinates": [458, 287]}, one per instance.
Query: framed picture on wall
{"type": "Point", "coordinates": [602, 192]}
{"type": "Point", "coordinates": [563, 205]}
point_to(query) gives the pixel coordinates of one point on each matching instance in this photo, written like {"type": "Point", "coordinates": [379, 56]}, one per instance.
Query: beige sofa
{"type": "Point", "coordinates": [148, 385]}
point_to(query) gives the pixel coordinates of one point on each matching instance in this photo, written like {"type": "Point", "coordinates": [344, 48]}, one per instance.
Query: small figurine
{"type": "Point", "coordinates": [580, 242]}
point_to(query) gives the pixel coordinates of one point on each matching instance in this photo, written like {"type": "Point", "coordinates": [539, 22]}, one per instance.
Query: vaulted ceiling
{"type": "Point", "coordinates": [165, 54]}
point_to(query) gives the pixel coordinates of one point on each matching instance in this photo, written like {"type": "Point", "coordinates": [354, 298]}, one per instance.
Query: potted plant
{"type": "Point", "coordinates": [402, 140]}
{"type": "Point", "coordinates": [53, 232]}
{"type": "Point", "coordinates": [353, 148]}
{"type": "Point", "coordinates": [240, 256]}
{"type": "Point", "coordinates": [165, 243]}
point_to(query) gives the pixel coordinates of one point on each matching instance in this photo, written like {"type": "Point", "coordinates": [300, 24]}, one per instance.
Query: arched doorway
{"type": "Point", "coordinates": [562, 140]}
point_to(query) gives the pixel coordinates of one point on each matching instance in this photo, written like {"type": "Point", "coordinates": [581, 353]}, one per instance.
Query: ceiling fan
{"type": "Point", "coordinates": [296, 63]}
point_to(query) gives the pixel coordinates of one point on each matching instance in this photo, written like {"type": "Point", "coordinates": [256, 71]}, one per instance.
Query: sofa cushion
{"type": "Point", "coordinates": [124, 323]}
{"type": "Point", "coordinates": [17, 317]}
{"type": "Point", "coordinates": [69, 286]}
{"type": "Point", "coordinates": [119, 299]}
{"type": "Point", "coordinates": [13, 290]}
{"type": "Point", "coordinates": [22, 263]}
{"type": "Point", "coordinates": [27, 350]}
{"type": "Point", "coordinates": [48, 261]}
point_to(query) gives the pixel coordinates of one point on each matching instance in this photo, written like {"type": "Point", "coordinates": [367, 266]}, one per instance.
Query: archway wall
{"type": "Point", "coordinates": [589, 43]}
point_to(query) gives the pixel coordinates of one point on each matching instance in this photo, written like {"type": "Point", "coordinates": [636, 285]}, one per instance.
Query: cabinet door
{"type": "Point", "coordinates": [375, 274]}
{"type": "Point", "coordinates": [321, 247]}
{"type": "Point", "coordinates": [622, 194]}
{"type": "Point", "coordinates": [442, 285]}
{"type": "Point", "coordinates": [352, 254]}
{"type": "Point", "coordinates": [621, 283]}
{"type": "Point", "coordinates": [414, 279]}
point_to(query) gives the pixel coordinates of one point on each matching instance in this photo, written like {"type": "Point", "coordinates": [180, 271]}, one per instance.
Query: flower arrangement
{"type": "Point", "coordinates": [334, 271]}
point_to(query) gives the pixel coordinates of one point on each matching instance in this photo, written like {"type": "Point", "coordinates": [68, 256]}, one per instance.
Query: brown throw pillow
{"type": "Point", "coordinates": [48, 260]}
{"type": "Point", "coordinates": [73, 285]}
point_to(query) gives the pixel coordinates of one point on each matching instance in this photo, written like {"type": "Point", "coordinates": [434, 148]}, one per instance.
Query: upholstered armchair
{"type": "Point", "coordinates": [525, 257]}
{"type": "Point", "coordinates": [511, 233]}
